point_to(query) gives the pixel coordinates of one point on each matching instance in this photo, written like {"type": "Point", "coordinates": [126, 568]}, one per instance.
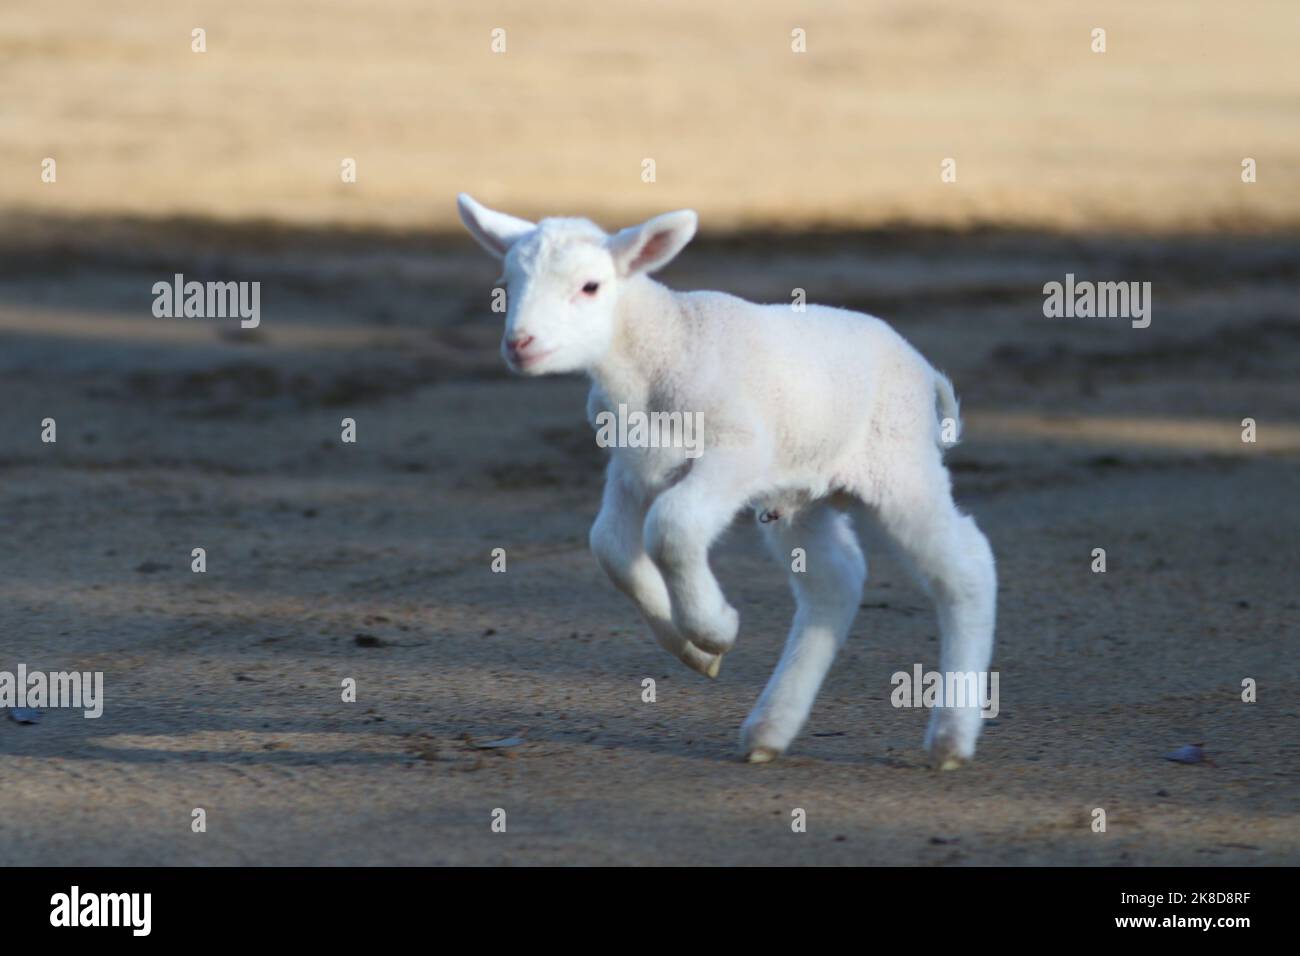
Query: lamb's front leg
{"type": "Point", "coordinates": [682, 525]}
{"type": "Point", "coordinates": [616, 540]}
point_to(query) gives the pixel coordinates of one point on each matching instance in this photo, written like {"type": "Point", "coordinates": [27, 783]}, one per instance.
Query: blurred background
{"type": "Point", "coordinates": [818, 170]}
{"type": "Point", "coordinates": [1149, 134]}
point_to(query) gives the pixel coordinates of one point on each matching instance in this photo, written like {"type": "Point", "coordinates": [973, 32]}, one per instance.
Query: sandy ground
{"type": "Point", "coordinates": [1044, 132]}
{"type": "Point", "coordinates": [371, 561]}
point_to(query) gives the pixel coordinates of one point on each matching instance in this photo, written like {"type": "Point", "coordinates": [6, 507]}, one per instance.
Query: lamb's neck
{"type": "Point", "coordinates": [647, 339]}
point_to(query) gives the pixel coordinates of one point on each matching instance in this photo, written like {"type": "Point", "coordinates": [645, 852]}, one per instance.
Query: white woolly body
{"type": "Point", "coordinates": [824, 390]}
{"type": "Point", "coordinates": [824, 421]}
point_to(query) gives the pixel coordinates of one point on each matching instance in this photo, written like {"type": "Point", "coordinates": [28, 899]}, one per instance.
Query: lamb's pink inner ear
{"type": "Point", "coordinates": [651, 250]}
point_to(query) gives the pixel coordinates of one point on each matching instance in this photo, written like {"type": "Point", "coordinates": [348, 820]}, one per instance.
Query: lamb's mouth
{"type": "Point", "coordinates": [521, 363]}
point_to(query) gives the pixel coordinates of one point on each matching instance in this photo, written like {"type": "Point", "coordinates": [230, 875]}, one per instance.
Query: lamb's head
{"type": "Point", "coordinates": [563, 278]}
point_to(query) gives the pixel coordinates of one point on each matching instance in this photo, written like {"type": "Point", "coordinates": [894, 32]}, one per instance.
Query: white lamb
{"type": "Point", "coordinates": [821, 421]}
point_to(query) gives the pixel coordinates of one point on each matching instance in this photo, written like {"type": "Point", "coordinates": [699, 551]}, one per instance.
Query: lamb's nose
{"type": "Point", "coordinates": [519, 343]}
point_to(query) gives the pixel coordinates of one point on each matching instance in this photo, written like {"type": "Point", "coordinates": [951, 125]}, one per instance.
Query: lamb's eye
{"type": "Point", "coordinates": [591, 287]}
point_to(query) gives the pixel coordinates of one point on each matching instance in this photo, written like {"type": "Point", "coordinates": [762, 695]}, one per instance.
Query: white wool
{"type": "Point", "coordinates": [825, 422]}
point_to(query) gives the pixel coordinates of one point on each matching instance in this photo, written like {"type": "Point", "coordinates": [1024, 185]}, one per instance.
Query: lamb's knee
{"type": "Point", "coordinates": [850, 563]}
{"type": "Point", "coordinates": [670, 540]}
{"type": "Point", "coordinates": [977, 545]}
{"type": "Point", "coordinates": [974, 570]}
{"type": "Point", "coordinates": [846, 574]}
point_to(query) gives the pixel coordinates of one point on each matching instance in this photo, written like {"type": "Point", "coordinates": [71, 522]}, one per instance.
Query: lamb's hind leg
{"type": "Point", "coordinates": [616, 540]}
{"type": "Point", "coordinates": [951, 559]}
{"type": "Point", "coordinates": [827, 594]}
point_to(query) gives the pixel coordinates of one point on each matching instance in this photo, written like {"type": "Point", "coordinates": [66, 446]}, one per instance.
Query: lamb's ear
{"type": "Point", "coordinates": [495, 231]}
{"type": "Point", "coordinates": [652, 244]}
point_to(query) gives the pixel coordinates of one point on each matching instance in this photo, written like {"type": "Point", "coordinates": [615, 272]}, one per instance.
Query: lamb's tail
{"type": "Point", "coordinates": [949, 411]}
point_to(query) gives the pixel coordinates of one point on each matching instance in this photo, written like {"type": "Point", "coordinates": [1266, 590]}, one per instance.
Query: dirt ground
{"type": "Point", "coordinates": [371, 561]}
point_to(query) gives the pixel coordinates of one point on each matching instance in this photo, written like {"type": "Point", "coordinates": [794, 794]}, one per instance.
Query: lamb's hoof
{"type": "Point", "coordinates": [761, 740]}
{"type": "Point", "coordinates": [697, 660]}
{"type": "Point", "coordinates": [950, 739]}
{"type": "Point", "coordinates": [945, 754]}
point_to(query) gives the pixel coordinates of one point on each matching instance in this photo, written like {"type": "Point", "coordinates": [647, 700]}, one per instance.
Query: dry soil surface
{"type": "Point", "coordinates": [371, 561]}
